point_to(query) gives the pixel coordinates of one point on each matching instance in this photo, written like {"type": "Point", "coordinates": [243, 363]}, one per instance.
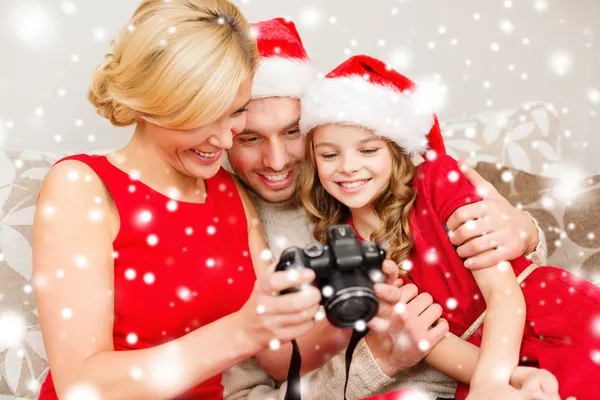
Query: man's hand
{"type": "Point", "coordinates": [491, 230]}
{"type": "Point", "coordinates": [407, 326]}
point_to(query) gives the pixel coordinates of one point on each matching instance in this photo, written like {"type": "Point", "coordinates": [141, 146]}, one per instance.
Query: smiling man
{"type": "Point", "coordinates": [266, 157]}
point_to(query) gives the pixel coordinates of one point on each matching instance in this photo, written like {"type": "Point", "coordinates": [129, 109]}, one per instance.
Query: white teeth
{"type": "Point", "coordinates": [353, 184]}
{"type": "Point", "coordinates": [205, 155]}
{"type": "Point", "coordinates": [276, 178]}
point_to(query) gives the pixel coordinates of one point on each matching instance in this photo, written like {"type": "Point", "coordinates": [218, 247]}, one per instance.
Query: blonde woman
{"type": "Point", "coordinates": [147, 261]}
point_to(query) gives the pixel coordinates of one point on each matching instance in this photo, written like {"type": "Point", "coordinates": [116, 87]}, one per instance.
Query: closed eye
{"type": "Point", "coordinates": [369, 152]}
{"type": "Point", "coordinates": [239, 112]}
{"type": "Point", "coordinates": [329, 156]}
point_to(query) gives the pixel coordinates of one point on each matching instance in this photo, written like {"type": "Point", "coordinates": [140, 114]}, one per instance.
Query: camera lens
{"type": "Point", "coordinates": [353, 308]}
{"type": "Point", "coordinates": [351, 305]}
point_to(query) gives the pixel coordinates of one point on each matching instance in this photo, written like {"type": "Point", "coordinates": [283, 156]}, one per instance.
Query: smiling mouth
{"type": "Point", "coordinates": [207, 155]}
{"type": "Point", "coordinates": [353, 184]}
{"type": "Point", "coordinates": [277, 177]}
{"type": "Point", "coordinates": [279, 180]}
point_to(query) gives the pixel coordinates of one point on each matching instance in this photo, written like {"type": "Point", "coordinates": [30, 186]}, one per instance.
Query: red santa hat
{"type": "Point", "coordinates": [284, 69]}
{"type": "Point", "coordinates": [366, 92]}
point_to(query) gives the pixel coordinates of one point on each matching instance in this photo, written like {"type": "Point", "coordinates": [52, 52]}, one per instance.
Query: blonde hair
{"type": "Point", "coordinates": [177, 64]}
{"type": "Point", "coordinates": [392, 204]}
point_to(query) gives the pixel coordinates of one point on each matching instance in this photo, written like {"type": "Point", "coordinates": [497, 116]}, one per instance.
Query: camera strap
{"type": "Point", "coordinates": [293, 382]}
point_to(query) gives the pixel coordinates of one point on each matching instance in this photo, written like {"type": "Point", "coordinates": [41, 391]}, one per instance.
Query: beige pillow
{"type": "Point", "coordinates": [526, 137]}
{"type": "Point", "coordinates": [23, 365]}
{"type": "Point", "coordinates": [567, 211]}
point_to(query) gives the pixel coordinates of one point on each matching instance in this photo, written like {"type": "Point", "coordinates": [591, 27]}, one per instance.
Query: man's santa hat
{"type": "Point", "coordinates": [363, 91]}
{"type": "Point", "coordinates": [284, 69]}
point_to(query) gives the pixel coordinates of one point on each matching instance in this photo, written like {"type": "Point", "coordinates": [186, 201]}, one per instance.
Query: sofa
{"type": "Point", "coordinates": [517, 149]}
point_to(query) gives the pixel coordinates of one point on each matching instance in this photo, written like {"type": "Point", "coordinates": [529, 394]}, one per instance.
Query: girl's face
{"type": "Point", "coordinates": [353, 164]}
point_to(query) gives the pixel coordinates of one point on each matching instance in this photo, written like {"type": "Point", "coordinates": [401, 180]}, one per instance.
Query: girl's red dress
{"type": "Point", "coordinates": [562, 330]}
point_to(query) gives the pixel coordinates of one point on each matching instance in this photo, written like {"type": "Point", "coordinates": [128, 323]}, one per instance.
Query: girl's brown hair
{"type": "Point", "coordinates": [392, 205]}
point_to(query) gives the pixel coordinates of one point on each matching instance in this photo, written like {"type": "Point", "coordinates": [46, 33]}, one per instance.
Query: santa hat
{"type": "Point", "coordinates": [284, 69]}
{"type": "Point", "coordinates": [364, 91]}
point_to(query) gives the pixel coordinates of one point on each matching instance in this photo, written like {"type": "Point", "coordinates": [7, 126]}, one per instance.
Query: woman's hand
{"type": "Point", "coordinates": [270, 318]}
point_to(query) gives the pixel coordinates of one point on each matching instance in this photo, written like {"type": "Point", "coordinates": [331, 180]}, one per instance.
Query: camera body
{"type": "Point", "coordinates": [346, 270]}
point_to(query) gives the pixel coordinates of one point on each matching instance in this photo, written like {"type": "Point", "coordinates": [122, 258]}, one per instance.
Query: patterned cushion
{"type": "Point", "coordinates": [526, 138]}
{"type": "Point", "coordinates": [23, 363]}
{"type": "Point", "coordinates": [567, 211]}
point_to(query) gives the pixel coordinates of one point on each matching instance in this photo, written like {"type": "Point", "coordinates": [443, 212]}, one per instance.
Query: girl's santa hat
{"type": "Point", "coordinates": [284, 69]}
{"type": "Point", "coordinates": [363, 91]}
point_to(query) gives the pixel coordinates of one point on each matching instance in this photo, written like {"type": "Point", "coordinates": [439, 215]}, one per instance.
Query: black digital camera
{"type": "Point", "coordinates": [346, 270]}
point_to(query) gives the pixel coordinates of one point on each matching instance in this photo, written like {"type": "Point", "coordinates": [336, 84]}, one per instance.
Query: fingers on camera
{"type": "Point", "coordinates": [293, 303]}
{"type": "Point", "coordinates": [282, 280]}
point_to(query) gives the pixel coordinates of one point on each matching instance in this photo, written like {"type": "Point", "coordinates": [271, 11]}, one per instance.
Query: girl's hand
{"type": "Point", "coordinates": [269, 316]}
{"type": "Point", "coordinates": [539, 383]}
{"type": "Point", "coordinates": [500, 391]}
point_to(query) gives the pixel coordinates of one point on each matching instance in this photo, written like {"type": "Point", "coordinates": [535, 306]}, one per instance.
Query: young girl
{"type": "Point", "coordinates": [364, 122]}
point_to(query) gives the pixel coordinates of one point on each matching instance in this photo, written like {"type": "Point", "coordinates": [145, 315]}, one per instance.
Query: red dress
{"type": "Point", "coordinates": [562, 330]}
{"type": "Point", "coordinates": [178, 265]}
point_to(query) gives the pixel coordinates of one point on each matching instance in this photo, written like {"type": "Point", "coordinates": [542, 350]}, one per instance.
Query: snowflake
{"type": "Point", "coordinates": [360, 325]}
{"type": "Point", "coordinates": [320, 314]}
{"type": "Point", "coordinates": [96, 215]}
{"type": "Point", "coordinates": [400, 308]}
{"type": "Point", "coordinates": [266, 255]}
{"type": "Point", "coordinates": [152, 240]}
{"type": "Point", "coordinates": [431, 256]}
{"type": "Point", "coordinates": [451, 303]}
{"type": "Point", "coordinates": [67, 313]}
{"type": "Point", "coordinates": [210, 262]}
{"type": "Point", "coordinates": [453, 176]}
{"type": "Point", "coordinates": [132, 338]}
{"type": "Point", "coordinates": [560, 62]}
{"type": "Point", "coordinates": [134, 174]}
{"type": "Point", "coordinates": [12, 329]}
{"type": "Point", "coordinates": [274, 344]}
{"type": "Point", "coordinates": [145, 216]}
{"type": "Point", "coordinates": [211, 230]}
{"type": "Point", "coordinates": [540, 5]}
{"type": "Point", "coordinates": [166, 370]}
{"type": "Point", "coordinates": [171, 205]}
{"type": "Point", "coordinates": [424, 345]}
{"type": "Point", "coordinates": [327, 291]}
{"type": "Point", "coordinates": [184, 293]}
{"type": "Point", "coordinates": [82, 392]}
{"type": "Point", "coordinates": [149, 278]}
{"type": "Point", "coordinates": [503, 266]}
{"type": "Point", "coordinates": [595, 355]}
{"type": "Point", "coordinates": [130, 274]}
{"type": "Point", "coordinates": [593, 95]}
{"type": "Point", "coordinates": [506, 26]}
{"type": "Point", "coordinates": [136, 373]}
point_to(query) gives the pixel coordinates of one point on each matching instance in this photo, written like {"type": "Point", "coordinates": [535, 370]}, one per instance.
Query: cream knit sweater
{"type": "Point", "coordinates": [286, 225]}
